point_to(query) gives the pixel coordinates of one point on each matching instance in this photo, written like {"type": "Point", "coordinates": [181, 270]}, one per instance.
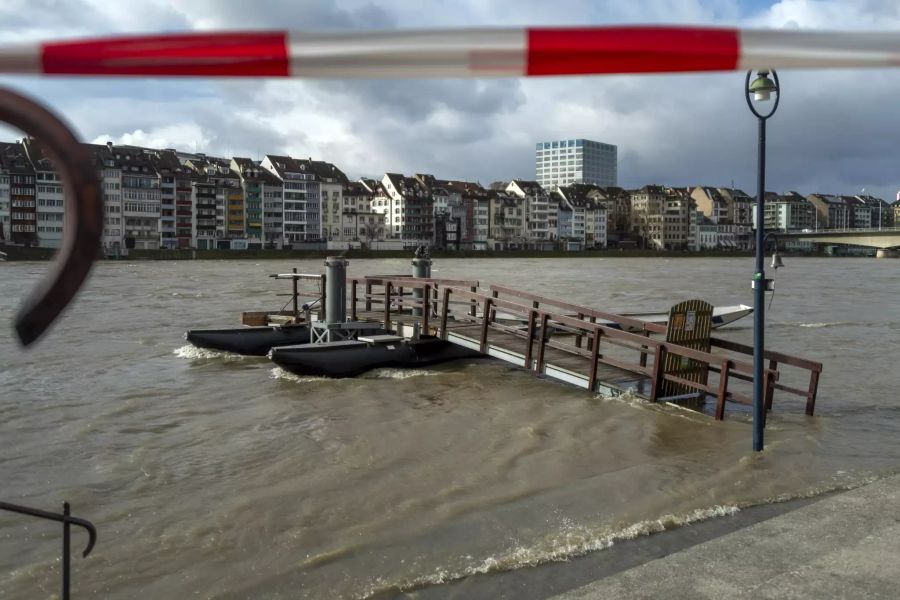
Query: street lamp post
{"type": "Point", "coordinates": [761, 90]}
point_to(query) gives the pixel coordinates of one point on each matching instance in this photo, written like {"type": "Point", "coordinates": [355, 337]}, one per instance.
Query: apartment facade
{"type": "Point", "coordinates": [506, 221]}
{"type": "Point", "coordinates": [141, 197]}
{"type": "Point", "coordinates": [263, 203]}
{"type": "Point", "coordinates": [49, 196]}
{"type": "Point", "coordinates": [789, 212]}
{"type": "Point", "coordinates": [582, 216]}
{"type": "Point", "coordinates": [539, 211]}
{"type": "Point", "coordinates": [648, 215]}
{"type": "Point", "coordinates": [831, 212]}
{"type": "Point", "coordinates": [4, 203]}
{"type": "Point", "coordinates": [563, 162]}
{"type": "Point", "coordinates": [311, 197]}
{"type": "Point", "coordinates": [411, 219]}
{"type": "Point", "coordinates": [174, 199]}
{"type": "Point", "coordinates": [22, 195]}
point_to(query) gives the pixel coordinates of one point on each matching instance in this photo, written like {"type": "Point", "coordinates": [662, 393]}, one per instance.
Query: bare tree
{"type": "Point", "coordinates": [371, 232]}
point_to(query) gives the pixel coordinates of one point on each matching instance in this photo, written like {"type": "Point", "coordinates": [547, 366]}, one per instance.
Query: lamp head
{"type": "Point", "coordinates": [762, 87]}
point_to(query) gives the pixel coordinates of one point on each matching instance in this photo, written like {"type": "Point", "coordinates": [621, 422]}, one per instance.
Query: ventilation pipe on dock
{"type": "Point", "coordinates": [335, 289]}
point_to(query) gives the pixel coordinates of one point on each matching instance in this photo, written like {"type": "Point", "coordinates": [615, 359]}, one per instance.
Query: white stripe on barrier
{"type": "Point", "coordinates": [403, 54]}
{"type": "Point", "coordinates": [21, 58]}
{"type": "Point", "coordinates": [791, 49]}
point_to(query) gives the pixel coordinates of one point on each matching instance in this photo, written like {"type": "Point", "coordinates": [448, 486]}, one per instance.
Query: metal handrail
{"type": "Point", "coordinates": [67, 520]}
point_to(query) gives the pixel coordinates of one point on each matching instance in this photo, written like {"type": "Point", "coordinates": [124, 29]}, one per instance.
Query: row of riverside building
{"type": "Point", "coordinates": [178, 200]}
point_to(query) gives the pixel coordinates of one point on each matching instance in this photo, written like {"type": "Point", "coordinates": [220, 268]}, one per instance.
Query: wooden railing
{"type": "Point", "coordinates": [394, 293]}
{"type": "Point", "coordinates": [437, 299]}
{"type": "Point", "coordinates": [541, 319]}
{"type": "Point", "coordinates": [776, 359]}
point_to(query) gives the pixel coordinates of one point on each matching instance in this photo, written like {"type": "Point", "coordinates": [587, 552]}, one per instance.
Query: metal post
{"type": "Point", "coordinates": [763, 87]}
{"type": "Point", "coordinates": [759, 295]}
{"type": "Point", "coordinates": [336, 290]}
{"type": "Point", "coordinates": [67, 534]}
{"type": "Point", "coordinates": [421, 270]}
{"type": "Point", "coordinates": [296, 301]}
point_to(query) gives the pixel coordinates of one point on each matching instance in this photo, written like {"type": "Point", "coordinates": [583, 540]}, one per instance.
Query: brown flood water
{"type": "Point", "coordinates": [217, 476]}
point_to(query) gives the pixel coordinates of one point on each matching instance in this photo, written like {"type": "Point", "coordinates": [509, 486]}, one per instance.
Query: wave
{"type": "Point", "coordinates": [279, 373]}
{"type": "Point", "coordinates": [388, 373]}
{"type": "Point", "coordinates": [818, 325]}
{"type": "Point", "coordinates": [192, 352]}
{"type": "Point", "coordinates": [821, 324]}
{"type": "Point", "coordinates": [574, 540]}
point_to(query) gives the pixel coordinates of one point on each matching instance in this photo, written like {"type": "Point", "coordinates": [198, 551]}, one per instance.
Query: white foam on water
{"type": "Point", "coordinates": [192, 352]}
{"type": "Point", "coordinates": [279, 373]}
{"type": "Point", "coordinates": [388, 373]}
{"type": "Point", "coordinates": [841, 481]}
{"type": "Point", "coordinates": [627, 398]}
{"type": "Point", "coordinates": [574, 540]}
{"type": "Point", "coordinates": [818, 325]}
{"type": "Point", "coordinates": [571, 541]}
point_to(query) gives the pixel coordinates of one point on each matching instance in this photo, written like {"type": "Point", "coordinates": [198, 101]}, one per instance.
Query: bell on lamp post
{"type": "Point", "coordinates": [762, 87]}
{"type": "Point", "coordinates": [776, 260]}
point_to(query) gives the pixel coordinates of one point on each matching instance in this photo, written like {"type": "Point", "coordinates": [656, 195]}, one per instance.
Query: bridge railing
{"type": "Point", "coordinates": [814, 232]}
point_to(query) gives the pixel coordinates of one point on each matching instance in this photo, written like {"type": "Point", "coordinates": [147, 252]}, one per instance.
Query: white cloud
{"type": "Point", "coordinates": [834, 130]}
{"type": "Point", "coordinates": [183, 136]}
{"type": "Point", "coordinates": [831, 14]}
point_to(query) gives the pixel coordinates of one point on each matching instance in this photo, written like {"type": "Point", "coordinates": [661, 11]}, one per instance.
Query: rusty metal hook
{"type": "Point", "coordinates": [83, 209]}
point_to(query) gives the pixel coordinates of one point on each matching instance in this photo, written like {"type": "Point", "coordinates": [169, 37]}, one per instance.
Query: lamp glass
{"type": "Point", "coordinates": [762, 87]}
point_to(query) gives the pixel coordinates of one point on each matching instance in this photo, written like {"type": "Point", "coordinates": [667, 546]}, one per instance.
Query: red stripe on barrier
{"type": "Point", "coordinates": [631, 50]}
{"type": "Point", "coordinates": [244, 54]}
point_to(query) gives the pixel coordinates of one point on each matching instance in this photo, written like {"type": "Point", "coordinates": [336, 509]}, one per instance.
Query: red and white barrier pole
{"type": "Point", "coordinates": [455, 53]}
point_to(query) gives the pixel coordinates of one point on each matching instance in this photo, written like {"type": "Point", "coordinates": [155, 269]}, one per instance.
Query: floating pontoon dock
{"type": "Point", "coordinates": [598, 351]}
{"type": "Point", "coordinates": [563, 341]}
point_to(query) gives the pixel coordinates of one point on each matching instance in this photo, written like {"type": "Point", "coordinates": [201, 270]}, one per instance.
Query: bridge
{"type": "Point", "coordinates": [883, 239]}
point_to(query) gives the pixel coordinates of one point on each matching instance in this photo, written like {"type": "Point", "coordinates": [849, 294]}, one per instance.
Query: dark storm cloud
{"type": "Point", "coordinates": [416, 100]}
{"type": "Point", "coordinates": [243, 135]}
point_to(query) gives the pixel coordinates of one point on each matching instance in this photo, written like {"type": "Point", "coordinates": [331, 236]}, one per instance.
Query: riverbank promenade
{"type": "Point", "coordinates": [845, 545]}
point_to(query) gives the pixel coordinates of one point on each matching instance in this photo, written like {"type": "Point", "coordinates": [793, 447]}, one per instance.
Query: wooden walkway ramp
{"type": "Point", "coordinates": [556, 364]}
{"type": "Point", "coordinates": [594, 350]}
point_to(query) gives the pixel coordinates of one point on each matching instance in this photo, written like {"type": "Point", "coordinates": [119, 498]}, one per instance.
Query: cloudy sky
{"type": "Point", "coordinates": [835, 131]}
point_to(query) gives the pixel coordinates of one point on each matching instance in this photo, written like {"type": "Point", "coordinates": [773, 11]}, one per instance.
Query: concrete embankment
{"type": "Point", "coordinates": [845, 545]}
